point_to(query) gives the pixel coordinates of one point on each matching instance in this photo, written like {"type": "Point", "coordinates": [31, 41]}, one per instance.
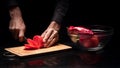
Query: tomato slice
{"type": "Point", "coordinates": [30, 47]}
{"type": "Point", "coordinates": [39, 40]}
{"type": "Point", "coordinates": [31, 42]}
{"type": "Point", "coordinates": [36, 43]}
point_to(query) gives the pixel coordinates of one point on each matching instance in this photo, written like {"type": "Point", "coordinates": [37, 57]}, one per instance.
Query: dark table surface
{"type": "Point", "coordinates": [72, 58]}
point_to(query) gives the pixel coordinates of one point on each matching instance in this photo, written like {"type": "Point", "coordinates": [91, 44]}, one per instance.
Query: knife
{"type": "Point", "coordinates": [25, 39]}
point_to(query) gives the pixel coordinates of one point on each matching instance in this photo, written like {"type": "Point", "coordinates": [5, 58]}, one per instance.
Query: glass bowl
{"type": "Point", "coordinates": [101, 36]}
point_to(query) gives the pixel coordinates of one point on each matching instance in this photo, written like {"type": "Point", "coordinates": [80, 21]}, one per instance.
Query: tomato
{"type": "Point", "coordinates": [90, 42]}
{"type": "Point", "coordinates": [87, 37]}
{"type": "Point", "coordinates": [79, 30]}
{"type": "Point", "coordinates": [30, 47]}
{"type": "Point", "coordinates": [31, 42]}
{"type": "Point", "coordinates": [39, 40]}
{"type": "Point", "coordinates": [35, 43]}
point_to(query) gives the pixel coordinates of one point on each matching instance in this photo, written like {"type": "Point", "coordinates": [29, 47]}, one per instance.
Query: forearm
{"type": "Point", "coordinates": [60, 10]}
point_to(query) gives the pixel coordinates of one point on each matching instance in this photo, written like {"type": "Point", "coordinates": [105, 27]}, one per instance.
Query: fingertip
{"type": "Point", "coordinates": [21, 34]}
{"type": "Point", "coordinates": [44, 40]}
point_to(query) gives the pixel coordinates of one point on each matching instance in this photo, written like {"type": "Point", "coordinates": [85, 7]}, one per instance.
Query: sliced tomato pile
{"type": "Point", "coordinates": [90, 42]}
{"type": "Point", "coordinates": [35, 43]}
{"type": "Point", "coordinates": [87, 37]}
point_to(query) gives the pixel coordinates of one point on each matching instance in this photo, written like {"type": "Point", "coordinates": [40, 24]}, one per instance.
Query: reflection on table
{"type": "Point", "coordinates": [64, 59]}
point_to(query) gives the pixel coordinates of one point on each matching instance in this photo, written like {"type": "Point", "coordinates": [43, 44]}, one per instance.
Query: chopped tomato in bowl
{"type": "Point", "coordinates": [90, 38]}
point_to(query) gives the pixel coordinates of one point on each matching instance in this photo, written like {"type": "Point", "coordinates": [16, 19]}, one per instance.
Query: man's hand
{"type": "Point", "coordinates": [50, 35]}
{"type": "Point", "coordinates": [17, 26]}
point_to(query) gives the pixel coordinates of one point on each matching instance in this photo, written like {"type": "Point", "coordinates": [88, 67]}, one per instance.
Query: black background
{"type": "Point", "coordinates": [95, 13]}
{"type": "Point", "coordinates": [81, 12]}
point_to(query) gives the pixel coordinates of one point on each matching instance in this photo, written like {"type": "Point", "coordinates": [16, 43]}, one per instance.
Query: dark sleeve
{"type": "Point", "coordinates": [11, 3]}
{"type": "Point", "coordinates": [60, 10]}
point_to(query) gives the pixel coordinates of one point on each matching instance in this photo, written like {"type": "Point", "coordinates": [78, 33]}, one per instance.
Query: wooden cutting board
{"type": "Point", "coordinates": [19, 51]}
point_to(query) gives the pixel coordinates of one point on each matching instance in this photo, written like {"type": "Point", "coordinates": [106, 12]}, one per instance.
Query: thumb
{"type": "Point", "coordinates": [21, 35]}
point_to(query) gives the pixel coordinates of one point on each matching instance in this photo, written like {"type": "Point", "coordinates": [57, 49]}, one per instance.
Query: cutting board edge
{"type": "Point", "coordinates": [23, 55]}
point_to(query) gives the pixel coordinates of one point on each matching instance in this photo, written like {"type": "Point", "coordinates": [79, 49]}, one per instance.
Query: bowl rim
{"type": "Point", "coordinates": [109, 30]}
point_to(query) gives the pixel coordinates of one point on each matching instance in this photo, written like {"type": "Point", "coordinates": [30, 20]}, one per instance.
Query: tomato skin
{"type": "Point", "coordinates": [39, 40]}
{"type": "Point", "coordinates": [79, 30]}
{"type": "Point", "coordinates": [35, 43]}
{"type": "Point", "coordinates": [31, 42]}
